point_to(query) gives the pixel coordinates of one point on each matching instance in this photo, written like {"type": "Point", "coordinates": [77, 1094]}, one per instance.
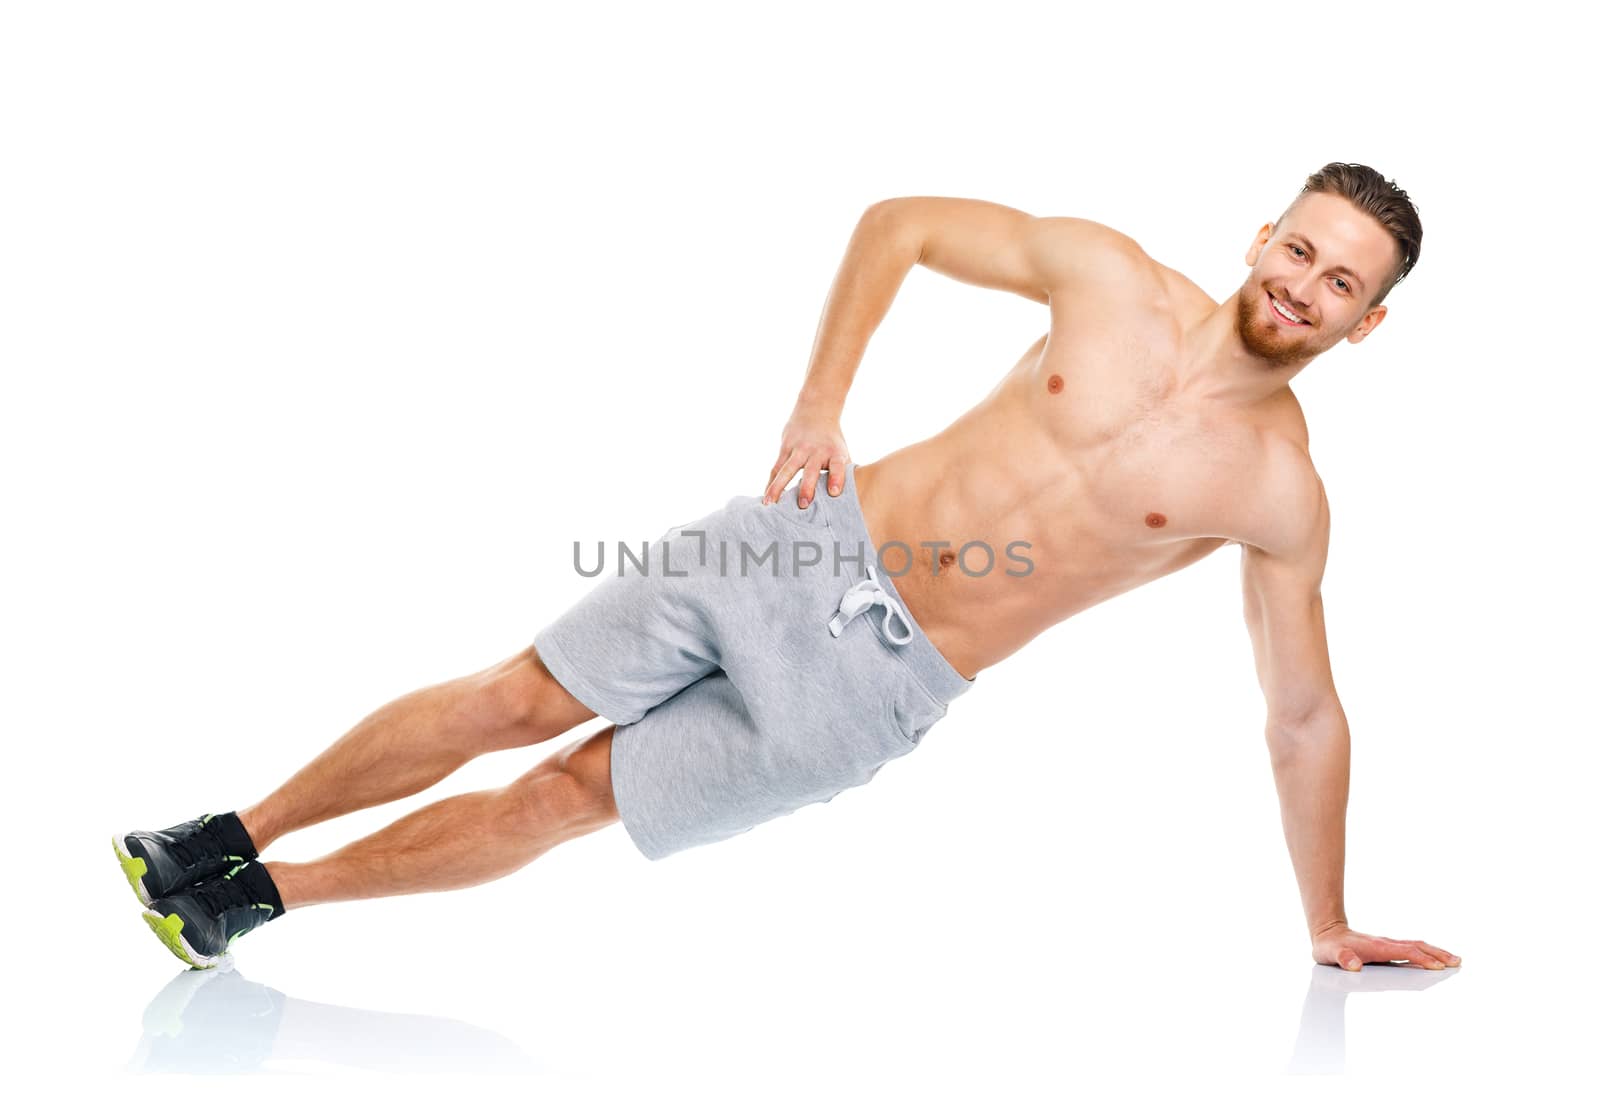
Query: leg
{"type": "Point", "coordinates": [413, 742]}
{"type": "Point", "coordinates": [466, 840]}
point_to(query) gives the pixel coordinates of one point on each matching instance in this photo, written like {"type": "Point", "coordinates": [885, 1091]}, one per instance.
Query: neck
{"type": "Point", "coordinates": [1217, 365]}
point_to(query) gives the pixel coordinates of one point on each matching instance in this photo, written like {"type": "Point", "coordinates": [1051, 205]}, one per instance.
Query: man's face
{"type": "Point", "coordinates": [1323, 261]}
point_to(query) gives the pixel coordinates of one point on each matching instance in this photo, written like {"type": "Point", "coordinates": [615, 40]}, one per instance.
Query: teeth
{"type": "Point", "coordinates": [1285, 312]}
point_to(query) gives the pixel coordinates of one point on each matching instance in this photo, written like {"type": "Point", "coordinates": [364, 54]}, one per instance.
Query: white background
{"type": "Point", "coordinates": [327, 328]}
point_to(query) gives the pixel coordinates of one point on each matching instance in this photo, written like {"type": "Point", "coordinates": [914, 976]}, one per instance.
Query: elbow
{"type": "Point", "coordinates": [1309, 725]}
{"type": "Point", "coordinates": [883, 212]}
{"type": "Point", "coordinates": [889, 221]}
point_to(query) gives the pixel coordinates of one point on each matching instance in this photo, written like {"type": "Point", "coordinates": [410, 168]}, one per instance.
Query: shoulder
{"type": "Point", "coordinates": [1288, 420]}
{"type": "Point", "coordinates": [1189, 300]}
{"type": "Point", "coordinates": [1290, 518]}
{"type": "Point", "coordinates": [1064, 230]}
{"type": "Point", "coordinates": [1070, 250]}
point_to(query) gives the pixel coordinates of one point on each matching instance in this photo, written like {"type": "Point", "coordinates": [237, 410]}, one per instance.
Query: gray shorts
{"type": "Point", "coordinates": [754, 660]}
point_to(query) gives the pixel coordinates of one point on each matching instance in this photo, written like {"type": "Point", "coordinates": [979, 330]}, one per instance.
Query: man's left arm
{"type": "Point", "coordinates": [1308, 737]}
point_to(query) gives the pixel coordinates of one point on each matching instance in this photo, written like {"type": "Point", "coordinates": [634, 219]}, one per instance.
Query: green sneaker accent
{"type": "Point", "coordinates": [167, 930]}
{"type": "Point", "coordinates": [236, 934]}
{"type": "Point", "coordinates": [132, 868]}
{"type": "Point", "coordinates": [206, 819]}
{"type": "Point", "coordinates": [236, 868]}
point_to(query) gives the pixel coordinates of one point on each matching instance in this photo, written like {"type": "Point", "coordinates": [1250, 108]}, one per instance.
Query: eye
{"type": "Point", "coordinates": [1293, 247]}
{"type": "Point", "coordinates": [1342, 286]}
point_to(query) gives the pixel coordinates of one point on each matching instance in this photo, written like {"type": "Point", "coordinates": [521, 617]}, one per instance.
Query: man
{"type": "Point", "coordinates": [1149, 427]}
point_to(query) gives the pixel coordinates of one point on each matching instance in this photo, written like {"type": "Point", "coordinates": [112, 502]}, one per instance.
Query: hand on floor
{"type": "Point", "coordinates": [1338, 945]}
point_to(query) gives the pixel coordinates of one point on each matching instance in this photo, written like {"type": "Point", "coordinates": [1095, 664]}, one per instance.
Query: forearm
{"type": "Point", "coordinates": [876, 262]}
{"type": "Point", "coordinates": [1312, 769]}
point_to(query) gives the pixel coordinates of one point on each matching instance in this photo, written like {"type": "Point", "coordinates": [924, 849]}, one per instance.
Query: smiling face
{"type": "Point", "coordinates": [1323, 262]}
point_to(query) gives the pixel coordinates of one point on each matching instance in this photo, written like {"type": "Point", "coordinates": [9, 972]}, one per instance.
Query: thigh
{"type": "Point", "coordinates": [709, 762]}
{"type": "Point", "coordinates": [684, 605]}
{"type": "Point", "coordinates": [518, 701]}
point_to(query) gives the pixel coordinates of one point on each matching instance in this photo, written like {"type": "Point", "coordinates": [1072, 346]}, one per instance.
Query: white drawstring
{"type": "Point", "coordinates": [863, 595]}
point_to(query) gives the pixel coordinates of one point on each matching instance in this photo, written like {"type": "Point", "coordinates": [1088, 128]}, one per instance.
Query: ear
{"type": "Point", "coordinates": [1368, 324]}
{"type": "Point", "coordinates": [1261, 239]}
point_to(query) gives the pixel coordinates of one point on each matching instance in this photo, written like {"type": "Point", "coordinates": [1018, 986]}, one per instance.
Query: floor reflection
{"type": "Point", "coordinates": [219, 1021]}
{"type": "Point", "coordinates": [1320, 1046]}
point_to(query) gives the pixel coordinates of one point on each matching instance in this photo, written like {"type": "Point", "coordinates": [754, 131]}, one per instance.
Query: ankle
{"type": "Point", "coordinates": [260, 883]}
{"type": "Point", "coordinates": [296, 884]}
{"type": "Point", "coordinates": [261, 832]}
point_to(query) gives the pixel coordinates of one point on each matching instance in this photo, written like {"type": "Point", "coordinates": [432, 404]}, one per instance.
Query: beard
{"type": "Point", "coordinates": [1276, 344]}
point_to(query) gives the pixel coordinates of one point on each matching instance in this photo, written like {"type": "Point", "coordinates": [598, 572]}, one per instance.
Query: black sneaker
{"type": "Point", "coordinates": [157, 863]}
{"type": "Point", "coordinates": [198, 923]}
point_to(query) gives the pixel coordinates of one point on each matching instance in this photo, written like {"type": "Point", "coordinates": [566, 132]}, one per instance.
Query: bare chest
{"type": "Point", "coordinates": [1139, 463]}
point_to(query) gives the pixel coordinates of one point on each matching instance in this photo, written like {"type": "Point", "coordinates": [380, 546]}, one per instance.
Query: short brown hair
{"type": "Point", "coordinates": [1380, 198]}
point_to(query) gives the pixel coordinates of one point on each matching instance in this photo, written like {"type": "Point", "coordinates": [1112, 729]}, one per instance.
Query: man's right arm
{"type": "Point", "coordinates": [973, 241]}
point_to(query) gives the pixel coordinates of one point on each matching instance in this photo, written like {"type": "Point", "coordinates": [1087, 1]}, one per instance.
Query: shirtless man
{"type": "Point", "coordinates": [1149, 427]}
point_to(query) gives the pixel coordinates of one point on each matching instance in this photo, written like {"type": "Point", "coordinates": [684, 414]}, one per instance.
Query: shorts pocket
{"type": "Point", "coordinates": [787, 508]}
{"type": "Point", "coordinates": [915, 709]}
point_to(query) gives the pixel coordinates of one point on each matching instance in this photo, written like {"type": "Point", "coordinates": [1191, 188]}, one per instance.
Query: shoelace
{"type": "Point", "coordinates": [195, 845]}
{"type": "Point", "coordinates": [863, 595]}
{"type": "Point", "coordinates": [222, 892]}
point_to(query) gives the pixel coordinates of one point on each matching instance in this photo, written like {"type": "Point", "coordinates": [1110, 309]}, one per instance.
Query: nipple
{"type": "Point", "coordinates": [1155, 519]}
{"type": "Point", "coordinates": [1054, 384]}
{"type": "Point", "coordinates": [947, 559]}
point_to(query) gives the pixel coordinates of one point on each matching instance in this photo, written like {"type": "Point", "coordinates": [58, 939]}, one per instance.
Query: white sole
{"type": "Point", "coordinates": [126, 860]}
{"type": "Point", "coordinates": [169, 929]}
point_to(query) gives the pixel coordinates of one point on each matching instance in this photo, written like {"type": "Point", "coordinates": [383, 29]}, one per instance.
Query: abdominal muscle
{"type": "Point", "coordinates": [998, 476]}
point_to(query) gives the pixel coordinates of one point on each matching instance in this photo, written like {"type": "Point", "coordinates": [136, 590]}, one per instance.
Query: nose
{"type": "Point", "coordinates": [1297, 291]}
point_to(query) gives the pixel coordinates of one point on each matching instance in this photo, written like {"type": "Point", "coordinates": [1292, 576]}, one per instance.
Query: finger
{"type": "Point", "coordinates": [808, 483]}
{"type": "Point", "coordinates": [1424, 958]}
{"type": "Point", "coordinates": [1349, 959]}
{"type": "Point", "coordinates": [780, 480]}
{"type": "Point", "coordinates": [783, 452]}
{"type": "Point", "coordinates": [1441, 953]}
{"type": "Point", "coordinates": [1396, 950]}
{"type": "Point", "coordinates": [787, 449]}
{"type": "Point", "coordinates": [1388, 950]}
{"type": "Point", "coordinates": [836, 468]}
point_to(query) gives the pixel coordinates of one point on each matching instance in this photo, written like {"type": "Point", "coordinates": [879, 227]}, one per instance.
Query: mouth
{"type": "Point", "coordinates": [1284, 315]}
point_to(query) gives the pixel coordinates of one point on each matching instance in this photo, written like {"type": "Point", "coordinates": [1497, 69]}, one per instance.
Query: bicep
{"type": "Point", "coordinates": [993, 246]}
{"type": "Point", "coordinates": [1283, 610]}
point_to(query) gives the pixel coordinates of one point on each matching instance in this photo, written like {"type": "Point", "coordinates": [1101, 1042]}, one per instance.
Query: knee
{"type": "Point", "coordinates": [571, 788]}
{"type": "Point", "coordinates": [523, 702]}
